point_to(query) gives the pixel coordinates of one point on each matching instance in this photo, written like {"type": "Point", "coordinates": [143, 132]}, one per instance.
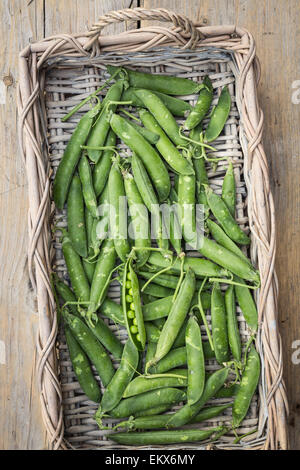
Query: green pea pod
{"type": "Point", "coordinates": [89, 219]}
{"type": "Point", "coordinates": [71, 157]}
{"type": "Point", "coordinates": [164, 118]}
{"type": "Point", "coordinates": [102, 168]}
{"type": "Point", "coordinates": [177, 358]}
{"type": "Point", "coordinates": [149, 198]}
{"type": "Point", "coordinates": [220, 236]}
{"type": "Point", "coordinates": [202, 106]}
{"type": "Point", "coordinates": [167, 84]}
{"type": "Point", "coordinates": [101, 128]}
{"type": "Point", "coordinates": [164, 145]}
{"type": "Point", "coordinates": [164, 280]}
{"type": "Point", "coordinates": [229, 189]}
{"type": "Point", "coordinates": [224, 217]}
{"type": "Point", "coordinates": [185, 414]}
{"type": "Point", "coordinates": [88, 192]}
{"type": "Point", "coordinates": [210, 412]}
{"type": "Point", "coordinates": [162, 307]}
{"type": "Point", "coordinates": [95, 241]}
{"type": "Point", "coordinates": [113, 311]}
{"type": "Point", "coordinates": [75, 217]}
{"type": "Point", "coordinates": [75, 269]}
{"type": "Point", "coordinates": [176, 106]}
{"type": "Point", "coordinates": [201, 267]}
{"type": "Point", "coordinates": [157, 291]}
{"type": "Point", "coordinates": [160, 421]}
{"type": "Point", "coordinates": [142, 384]}
{"type": "Point", "coordinates": [219, 116]}
{"type": "Point", "coordinates": [247, 305]}
{"type": "Point", "coordinates": [66, 293]}
{"type": "Point", "coordinates": [147, 298]}
{"type": "Point", "coordinates": [150, 136]}
{"type": "Point", "coordinates": [91, 346]}
{"type": "Point", "coordinates": [200, 169]}
{"type": "Point", "coordinates": [163, 437]}
{"type": "Point", "coordinates": [247, 388]}
{"type": "Point", "coordinates": [115, 389]}
{"type": "Point", "coordinates": [187, 209]}
{"type": "Point", "coordinates": [219, 325]}
{"type": "Point", "coordinates": [232, 324]}
{"type": "Point", "coordinates": [174, 228]}
{"type": "Point", "coordinates": [139, 220]}
{"type": "Point", "coordinates": [103, 269]}
{"type": "Point", "coordinates": [89, 268]}
{"type": "Point", "coordinates": [176, 316]}
{"type": "Point", "coordinates": [147, 400]}
{"type": "Point", "coordinates": [102, 228]}
{"type": "Point", "coordinates": [151, 348]}
{"type": "Point", "coordinates": [152, 161]}
{"type": "Point", "coordinates": [82, 368]}
{"type": "Point", "coordinates": [152, 332]}
{"type": "Point", "coordinates": [118, 212]}
{"type": "Point", "coordinates": [102, 332]}
{"type": "Point", "coordinates": [228, 260]}
{"type": "Point", "coordinates": [195, 361]}
{"type": "Point", "coordinates": [153, 411]}
{"type": "Point", "coordinates": [227, 391]}
{"type": "Point", "coordinates": [132, 307]}
{"type": "Point", "coordinates": [107, 338]}
{"type": "Point", "coordinates": [180, 340]}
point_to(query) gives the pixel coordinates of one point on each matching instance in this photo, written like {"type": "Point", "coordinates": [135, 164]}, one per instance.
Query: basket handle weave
{"type": "Point", "coordinates": [184, 32]}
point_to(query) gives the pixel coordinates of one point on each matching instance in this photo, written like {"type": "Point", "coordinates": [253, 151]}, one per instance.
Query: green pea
{"type": "Point", "coordinates": [131, 304]}
{"type": "Point", "coordinates": [129, 300]}
{"type": "Point", "coordinates": [130, 314]}
{"type": "Point", "coordinates": [130, 291]}
{"type": "Point", "coordinates": [135, 321]}
{"type": "Point", "coordinates": [133, 329]}
{"type": "Point", "coordinates": [128, 275]}
{"type": "Point", "coordinates": [128, 284]}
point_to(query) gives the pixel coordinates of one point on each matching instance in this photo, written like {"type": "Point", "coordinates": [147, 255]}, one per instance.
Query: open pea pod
{"type": "Point", "coordinates": [132, 307]}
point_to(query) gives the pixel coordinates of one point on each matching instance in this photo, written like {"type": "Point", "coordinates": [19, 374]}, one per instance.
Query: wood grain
{"type": "Point", "coordinates": [274, 24]}
{"type": "Point", "coordinates": [275, 27]}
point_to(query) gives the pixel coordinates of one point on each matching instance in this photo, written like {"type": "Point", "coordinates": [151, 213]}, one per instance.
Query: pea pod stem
{"type": "Point", "coordinates": [111, 103]}
{"type": "Point", "coordinates": [239, 438]}
{"type": "Point", "coordinates": [88, 98]}
{"type": "Point", "coordinates": [234, 283]}
{"type": "Point", "coordinates": [155, 376]}
{"type": "Point", "coordinates": [130, 115]}
{"type": "Point", "coordinates": [203, 316]}
{"type": "Point", "coordinates": [182, 272]}
{"type": "Point", "coordinates": [155, 275]}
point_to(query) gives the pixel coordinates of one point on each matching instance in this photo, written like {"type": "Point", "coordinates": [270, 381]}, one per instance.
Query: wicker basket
{"type": "Point", "coordinates": [58, 72]}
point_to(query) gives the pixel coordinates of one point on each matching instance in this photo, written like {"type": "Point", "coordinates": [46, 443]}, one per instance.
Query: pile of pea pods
{"type": "Point", "coordinates": [166, 293]}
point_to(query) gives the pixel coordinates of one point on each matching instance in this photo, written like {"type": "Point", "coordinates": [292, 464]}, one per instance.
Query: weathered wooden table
{"type": "Point", "coordinates": [275, 25]}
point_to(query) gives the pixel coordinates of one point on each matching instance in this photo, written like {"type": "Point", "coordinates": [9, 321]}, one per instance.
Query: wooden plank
{"type": "Point", "coordinates": [72, 16]}
{"type": "Point", "coordinates": [274, 25]}
{"type": "Point", "coordinates": [24, 21]}
{"type": "Point", "coordinates": [20, 418]}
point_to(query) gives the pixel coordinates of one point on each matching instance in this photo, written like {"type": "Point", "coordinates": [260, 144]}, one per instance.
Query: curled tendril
{"type": "Point", "coordinates": [195, 142]}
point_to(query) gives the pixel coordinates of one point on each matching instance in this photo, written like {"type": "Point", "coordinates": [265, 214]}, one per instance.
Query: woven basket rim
{"type": "Point", "coordinates": [183, 34]}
